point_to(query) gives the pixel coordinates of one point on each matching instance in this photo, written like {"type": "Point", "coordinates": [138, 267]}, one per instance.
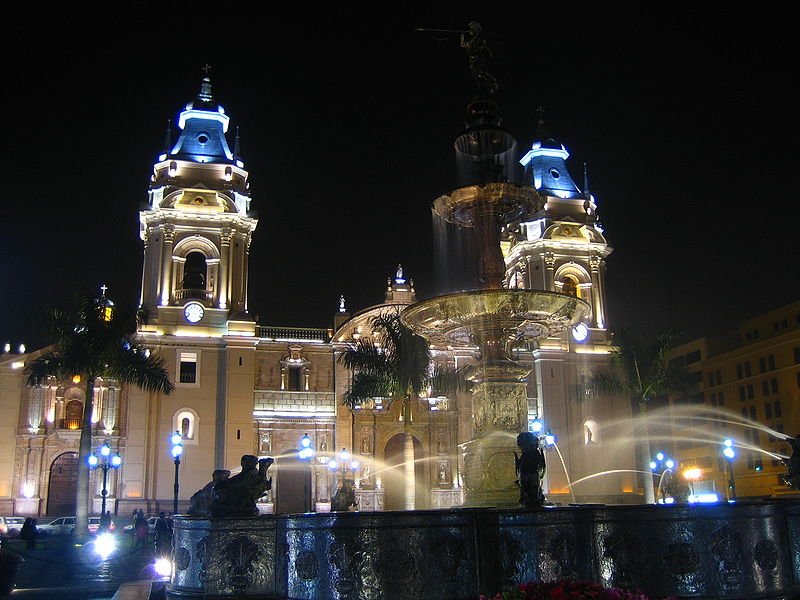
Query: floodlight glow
{"type": "Point", "coordinates": [704, 498]}
{"type": "Point", "coordinates": [354, 465]}
{"type": "Point", "coordinates": [549, 439]}
{"type": "Point", "coordinates": [693, 473]}
{"type": "Point", "coordinates": [163, 567]}
{"type": "Point", "coordinates": [344, 455]}
{"type": "Point", "coordinates": [177, 451]}
{"type": "Point", "coordinates": [104, 545]}
{"type": "Point", "coordinates": [652, 464]}
{"type": "Point", "coordinates": [729, 453]}
{"type": "Point", "coordinates": [305, 441]}
{"type": "Point", "coordinates": [205, 116]}
{"type": "Point", "coordinates": [536, 426]}
{"type": "Point", "coordinates": [728, 443]}
{"type": "Point", "coordinates": [332, 464]}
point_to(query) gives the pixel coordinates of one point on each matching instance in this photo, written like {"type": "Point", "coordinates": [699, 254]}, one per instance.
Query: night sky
{"type": "Point", "coordinates": [347, 121]}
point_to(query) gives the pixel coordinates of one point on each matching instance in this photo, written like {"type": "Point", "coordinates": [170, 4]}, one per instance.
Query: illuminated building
{"type": "Point", "coordinates": [245, 388]}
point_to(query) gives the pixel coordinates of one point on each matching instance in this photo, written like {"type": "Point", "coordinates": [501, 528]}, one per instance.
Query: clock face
{"type": "Point", "coordinates": [193, 312]}
{"type": "Point", "coordinates": [580, 332]}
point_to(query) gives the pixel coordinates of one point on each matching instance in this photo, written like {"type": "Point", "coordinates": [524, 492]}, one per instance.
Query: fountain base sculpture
{"type": "Point", "coordinates": [237, 496]}
{"type": "Point", "coordinates": [530, 469]}
{"type": "Point", "coordinates": [723, 551]}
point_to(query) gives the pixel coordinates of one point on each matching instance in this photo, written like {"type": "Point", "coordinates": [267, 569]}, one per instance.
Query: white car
{"type": "Point", "coordinates": [59, 526]}
{"type": "Point", "coordinates": [151, 527]}
{"type": "Point", "coordinates": [10, 526]}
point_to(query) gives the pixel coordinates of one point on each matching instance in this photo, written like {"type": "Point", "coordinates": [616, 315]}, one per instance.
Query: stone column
{"type": "Point", "coordinates": [168, 234]}
{"type": "Point", "coordinates": [550, 265]}
{"type": "Point", "coordinates": [597, 291]}
{"type": "Point", "coordinates": [224, 265]}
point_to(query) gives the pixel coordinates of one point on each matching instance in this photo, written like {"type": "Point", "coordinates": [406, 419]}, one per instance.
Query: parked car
{"type": "Point", "coordinates": [59, 526]}
{"type": "Point", "coordinates": [10, 526]}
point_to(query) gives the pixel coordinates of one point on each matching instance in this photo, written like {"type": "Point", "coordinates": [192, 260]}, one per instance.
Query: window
{"type": "Point", "coordinates": [765, 387]}
{"type": "Point", "coordinates": [718, 376]}
{"type": "Point", "coordinates": [762, 365]}
{"type": "Point", "coordinates": [773, 385]}
{"type": "Point", "coordinates": [721, 398]}
{"type": "Point", "coordinates": [767, 410]}
{"type": "Point", "coordinates": [753, 413]}
{"type": "Point", "coordinates": [713, 399]}
{"type": "Point", "coordinates": [693, 357]}
{"type": "Point", "coordinates": [776, 407]}
{"type": "Point", "coordinates": [747, 372]}
{"type": "Point", "coordinates": [569, 285]}
{"type": "Point", "coordinates": [741, 394]}
{"type": "Point", "coordinates": [187, 367]}
{"type": "Point", "coordinates": [750, 393]}
{"type": "Point", "coordinates": [797, 355]}
{"type": "Point", "coordinates": [738, 371]}
{"type": "Point", "coordinates": [784, 324]}
{"type": "Point", "coordinates": [771, 362]}
{"type": "Point", "coordinates": [194, 272]}
{"type": "Point", "coordinates": [710, 379]}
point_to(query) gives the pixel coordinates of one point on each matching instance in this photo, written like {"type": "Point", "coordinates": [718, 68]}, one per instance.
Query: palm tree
{"type": "Point", "coordinates": [93, 340]}
{"type": "Point", "coordinates": [395, 364]}
{"type": "Point", "coordinates": [639, 369]}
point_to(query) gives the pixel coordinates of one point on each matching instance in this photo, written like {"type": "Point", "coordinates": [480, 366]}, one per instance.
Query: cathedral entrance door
{"type": "Point", "coordinates": [63, 485]}
{"type": "Point", "coordinates": [393, 478]}
{"type": "Point", "coordinates": [292, 484]}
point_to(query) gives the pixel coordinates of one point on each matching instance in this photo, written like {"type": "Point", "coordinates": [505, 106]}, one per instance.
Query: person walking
{"type": "Point", "coordinates": [28, 533]}
{"type": "Point", "coordinates": [163, 536]}
{"type": "Point", "coordinates": [140, 530]}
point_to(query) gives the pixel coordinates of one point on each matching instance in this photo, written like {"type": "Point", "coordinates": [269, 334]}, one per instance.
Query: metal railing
{"type": "Point", "coordinates": [293, 333]}
{"type": "Point", "coordinates": [193, 294]}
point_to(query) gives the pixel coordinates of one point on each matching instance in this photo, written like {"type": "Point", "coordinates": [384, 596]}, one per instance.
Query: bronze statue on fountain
{"type": "Point", "coordinates": [792, 476]}
{"type": "Point", "coordinates": [530, 469]}
{"type": "Point", "coordinates": [237, 496]}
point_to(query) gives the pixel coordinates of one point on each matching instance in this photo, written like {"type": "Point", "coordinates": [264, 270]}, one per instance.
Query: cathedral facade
{"type": "Point", "coordinates": [245, 388]}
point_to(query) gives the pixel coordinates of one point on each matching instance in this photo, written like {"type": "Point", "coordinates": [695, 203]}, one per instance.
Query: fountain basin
{"type": "Point", "coordinates": [465, 206]}
{"type": "Point", "coordinates": [466, 319]}
{"type": "Point", "coordinates": [724, 551]}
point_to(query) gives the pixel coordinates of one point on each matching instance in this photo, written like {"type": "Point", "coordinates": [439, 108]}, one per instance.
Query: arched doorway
{"type": "Point", "coordinates": [63, 485]}
{"type": "Point", "coordinates": [292, 484]}
{"type": "Point", "coordinates": [392, 475]}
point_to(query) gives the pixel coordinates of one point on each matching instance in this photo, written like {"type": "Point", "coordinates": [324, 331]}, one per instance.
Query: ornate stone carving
{"type": "Point", "coordinates": [725, 548]}
{"type": "Point", "coordinates": [182, 559]}
{"type": "Point", "coordinates": [682, 562]}
{"type": "Point", "coordinates": [307, 566]}
{"type": "Point", "coordinates": [622, 559]}
{"type": "Point", "coordinates": [241, 554]}
{"type": "Point", "coordinates": [499, 406]}
{"type": "Point", "coordinates": [766, 555]}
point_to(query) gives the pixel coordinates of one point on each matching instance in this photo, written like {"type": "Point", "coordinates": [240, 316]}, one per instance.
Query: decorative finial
{"type": "Point", "coordinates": [341, 304]}
{"type": "Point", "coordinates": [236, 145]}
{"type": "Point", "coordinates": [479, 53]}
{"type": "Point", "coordinates": [168, 138]}
{"type": "Point", "coordinates": [399, 275]}
{"type": "Point", "coordinates": [541, 129]}
{"type": "Point", "coordinates": [205, 86]}
{"type": "Point", "coordinates": [586, 180]}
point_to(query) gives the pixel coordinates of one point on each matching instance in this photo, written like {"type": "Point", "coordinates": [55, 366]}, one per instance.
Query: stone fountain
{"type": "Point", "coordinates": [730, 551]}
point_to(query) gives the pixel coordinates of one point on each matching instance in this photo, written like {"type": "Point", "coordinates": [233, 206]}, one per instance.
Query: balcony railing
{"type": "Point", "coordinates": [70, 424]}
{"type": "Point", "coordinates": [285, 403]}
{"type": "Point", "coordinates": [193, 294]}
{"type": "Point", "coordinates": [310, 334]}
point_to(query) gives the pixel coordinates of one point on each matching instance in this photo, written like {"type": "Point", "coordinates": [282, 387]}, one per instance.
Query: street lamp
{"type": "Point", "coordinates": [729, 453]}
{"type": "Point", "coordinates": [105, 462]}
{"type": "Point", "coordinates": [305, 453]}
{"type": "Point", "coordinates": [177, 450]}
{"type": "Point", "coordinates": [661, 465]}
{"type": "Point", "coordinates": [344, 465]}
{"type": "Point", "coordinates": [692, 474]}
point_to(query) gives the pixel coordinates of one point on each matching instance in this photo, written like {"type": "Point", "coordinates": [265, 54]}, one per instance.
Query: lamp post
{"type": "Point", "coordinates": [105, 462]}
{"type": "Point", "coordinates": [305, 453]}
{"type": "Point", "coordinates": [344, 465]}
{"type": "Point", "coordinates": [729, 453]}
{"type": "Point", "coordinates": [177, 450]}
{"type": "Point", "coordinates": [661, 465]}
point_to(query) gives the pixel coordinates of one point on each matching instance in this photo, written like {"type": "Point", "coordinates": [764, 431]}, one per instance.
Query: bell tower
{"type": "Point", "coordinates": [197, 229]}
{"type": "Point", "coordinates": [560, 248]}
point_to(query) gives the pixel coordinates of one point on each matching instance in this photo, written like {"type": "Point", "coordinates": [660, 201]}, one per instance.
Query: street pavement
{"type": "Point", "coordinates": [60, 568]}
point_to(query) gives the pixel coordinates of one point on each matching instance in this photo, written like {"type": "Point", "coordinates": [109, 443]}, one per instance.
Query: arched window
{"type": "Point", "coordinates": [194, 272]}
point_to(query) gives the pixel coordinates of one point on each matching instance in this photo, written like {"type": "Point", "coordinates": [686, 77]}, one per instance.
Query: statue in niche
{"type": "Point", "coordinates": [200, 502]}
{"type": "Point", "coordinates": [792, 476]}
{"type": "Point", "coordinates": [266, 442]}
{"type": "Point", "coordinates": [442, 473]}
{"type": "Point", "coordinates": [185, 424]}
{"type": "Point", "coordinates": [365, 445]}
{"type": "Point", "coordinates": [323, 443]}
{"type": "Point", "coordinates": [441, 443]}
{"type": "Point", "coordinates": [530, 468]}
{"type": "Point", "coordinates": [237, 496]}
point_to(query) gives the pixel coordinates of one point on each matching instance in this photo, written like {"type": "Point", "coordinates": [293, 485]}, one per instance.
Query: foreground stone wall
{"type": "Point", "coordinates": [748, 550]}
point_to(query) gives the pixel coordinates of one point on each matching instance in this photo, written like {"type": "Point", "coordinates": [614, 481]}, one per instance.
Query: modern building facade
{"type": "Point", "coordinates": [748, 391]}
{"type": "Point", "coordinates": [245, 388]}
